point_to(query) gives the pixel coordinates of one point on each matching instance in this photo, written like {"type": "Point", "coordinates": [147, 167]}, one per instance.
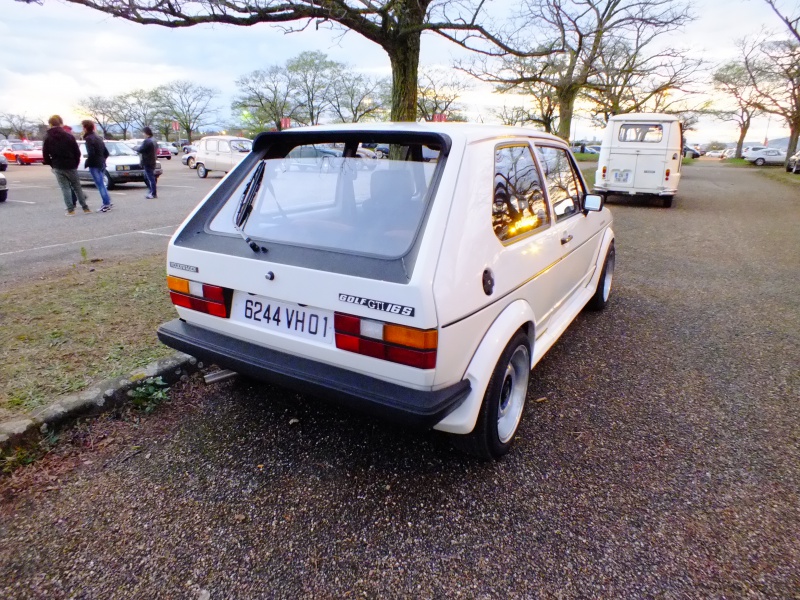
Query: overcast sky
{"type": "Point", "coordinates": [56, 53]}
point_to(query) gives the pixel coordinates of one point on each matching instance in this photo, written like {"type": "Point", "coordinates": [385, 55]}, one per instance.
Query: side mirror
{"type": "Point", "coordinates": [593, 202]}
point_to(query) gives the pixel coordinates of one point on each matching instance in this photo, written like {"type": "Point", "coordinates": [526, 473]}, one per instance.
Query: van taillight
{"type": "Point", "coordinates": [395, 343]}
{"type": "Point", "coordinates": [604, 172]}
{"type": "Point", "coordinates": [210, 299]}
{"type": "Point", "coordinates": [666, 177]}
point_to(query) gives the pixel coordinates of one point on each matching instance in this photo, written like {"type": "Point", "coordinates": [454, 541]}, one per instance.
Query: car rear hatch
{"type": "Point", "coordinates": [319, 265]}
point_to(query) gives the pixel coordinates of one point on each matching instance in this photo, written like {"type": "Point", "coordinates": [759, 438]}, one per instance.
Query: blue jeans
{"type": "Point", "coordinates": [150, 179]}
{"type": "Point", "coordinates": [97, 176]}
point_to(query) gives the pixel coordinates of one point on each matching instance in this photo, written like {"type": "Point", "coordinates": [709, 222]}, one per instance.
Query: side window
{"type": "Point", "coordinates": [224, 146]}
{"type": "Point", "coordinates": [519, 206]}
{"type": "Point", "coordinates": [211, 145]}
{"type": "Point", "coordinates": [563, 185]}
{"type": "Point", "coordinates": [641, 132]}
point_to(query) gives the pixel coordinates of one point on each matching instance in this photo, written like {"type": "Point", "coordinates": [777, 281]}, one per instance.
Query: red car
{"type": "Point", "coordinates": [23, 153]}
{"type": "Point", "coordinates": [163, 152]}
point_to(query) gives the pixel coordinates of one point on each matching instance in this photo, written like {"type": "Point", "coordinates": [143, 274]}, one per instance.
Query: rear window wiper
{"type": "Point", "coordinates": [246, 205]}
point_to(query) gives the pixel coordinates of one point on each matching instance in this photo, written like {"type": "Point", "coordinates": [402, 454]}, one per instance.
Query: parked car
{"type": "Point", "coordinates": [793, 164]}
{"type": "Point", "coordinates": [715, 153]}
{"type": "Point", "coordinates": [220, 153]}
{"type": "Point", "coordinates": [23, 153]}
{"type": "Point", "coordinates": [312, 157]}
{"type": "Point", "coordinates": [187, 148]}
{"type": "Point", "coordinates": [162, 151]}
{"type": "Point", "coordinates": [689, 152]}
{"type": "Point", "coordinates": [190, 160]}
{"type": "Point", "coordinates": [423, 292]}
{"type": "Point", "coordinates": [747, 150]}
{"type": "Point", "coordinates": [122, 165]}
{"type": "Point", "coordinates": [3, 188]}
{"type": "Point", "coordinates": [767, 156]}
{"type": "Point", "coordinates": [173, 151]}
{"type": "Point", "coordinates": [3, 163]}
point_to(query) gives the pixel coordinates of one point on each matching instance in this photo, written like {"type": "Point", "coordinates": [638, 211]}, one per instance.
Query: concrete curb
{"type": "Point", "coordinates": [98, 399]}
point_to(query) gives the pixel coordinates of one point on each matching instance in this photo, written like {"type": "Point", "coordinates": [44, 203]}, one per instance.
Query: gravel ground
{"type": "Point", "coordinates": [663, 462]}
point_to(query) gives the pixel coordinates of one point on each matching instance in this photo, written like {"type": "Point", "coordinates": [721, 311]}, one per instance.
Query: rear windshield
{"type": "Point", "coordinates": [641, 132]}
{"type": "Point", "coordinates": [334, 197]}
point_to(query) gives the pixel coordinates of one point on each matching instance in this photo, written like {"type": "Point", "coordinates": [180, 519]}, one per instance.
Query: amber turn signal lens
{"type": "Point", "coordinates": [177, 284]}
{"type": "Point", "coordinates": [424, 339]}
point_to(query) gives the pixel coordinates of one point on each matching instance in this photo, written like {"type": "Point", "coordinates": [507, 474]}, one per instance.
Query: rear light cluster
{"type": "Point", "coordinates": [666, 175]}
{"type": "Point", "coordinates": [395, 343]}
{"type": "Point", "coordinates": [210, 299]}
{"type": "Point", "coordinates": [604, 172]}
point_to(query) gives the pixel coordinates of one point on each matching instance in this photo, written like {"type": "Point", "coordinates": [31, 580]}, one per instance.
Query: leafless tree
{"type": "Point", "coordinates": [792, 22]}
{"type": "Point", "coordinates": [355, 97]}
{"type": "Point", "coordinates": [773, 67]}
{"type": "Point", "coordinates": [513, 115]}
{"type": "Point", "coordinates": [733, 80]}
{"type": "Point", "coordinates": [570, 36]}
{"type": "Point", "coordinates": [144, 108]}
{"type": "Point", "coordinates": [99, 109]}
{"type": "Point", "coordinates": [20, 126]}
{"type": "Point", "coordinates": [395, 25]}
{"type": "Point", "coordinates": [311, 79]}
{"type": "Point", "coordinates": [266, 97]}
{"type": "Point", "coordinates": [122, 113]}
{"type": "Point", "coordinates": [438, 92]}
{"type": "Point", "coordinates": [187, 103]}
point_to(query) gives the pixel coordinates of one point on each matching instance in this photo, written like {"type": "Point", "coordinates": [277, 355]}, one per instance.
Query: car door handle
{"type": "Point", "coordinates": [566, 239]}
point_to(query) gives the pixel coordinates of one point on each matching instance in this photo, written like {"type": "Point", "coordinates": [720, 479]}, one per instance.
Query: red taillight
{"type": "Point", "coordinates": [210, 299]}
{"type": "Point", "coordinates": [604, 172]}
{"type": "Point", "coordinates": [380, 340]}
{"type": "Point", "coordinates": [666, 175]}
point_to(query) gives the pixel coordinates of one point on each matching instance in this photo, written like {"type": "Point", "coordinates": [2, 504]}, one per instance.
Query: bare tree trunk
{"type": "Point", "coordinates": [794, 137]}
{"type": "Point", "coordinates": [743, 129]}
{"type": "Point", "coordinates": [404, 58]}
{"type": "Point", "coordinates": [566, 106]}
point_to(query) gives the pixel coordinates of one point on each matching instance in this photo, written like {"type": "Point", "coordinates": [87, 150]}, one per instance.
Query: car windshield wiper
{"type": "Point", "coordinates": [246, 205]}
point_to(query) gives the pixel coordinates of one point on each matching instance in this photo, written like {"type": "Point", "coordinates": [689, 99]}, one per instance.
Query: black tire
{"type": "Point", "coordinates": [190, 162]}
{"type": "Point", "coordinates": [202, 172]}
{"type": "Point", "coordinates": [109, 183]}
{"type": "Point", "coordinates": [667, 201]}
{"type": "Point", "coordinates": [759, 162]}
{"type": "Point", "coordinates": [503, 404]}
{"type": "Point", "coordinates": [603, 291]}
{"type": "Point", "coordinates": [3, 167]}
{"type": "Point", "coordinates": [3, 195]}
{"type": "Point", "coordinates": [168, 157]}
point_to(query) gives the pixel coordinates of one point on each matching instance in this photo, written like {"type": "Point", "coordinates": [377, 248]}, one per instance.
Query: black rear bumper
{"type": "Point", "coordinates": [380, 398]}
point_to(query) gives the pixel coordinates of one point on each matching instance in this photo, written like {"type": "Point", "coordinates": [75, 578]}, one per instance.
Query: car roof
{"type": "Point", "coordinates": [466, 132]}
{"type": "Point", "coordinates": [644, 117]}
{"type": "Point", "coordinates": [225, 137]}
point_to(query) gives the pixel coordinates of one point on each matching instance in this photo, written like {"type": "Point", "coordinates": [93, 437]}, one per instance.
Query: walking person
{"type": "Point", "coordinates": [97, 153]}
{"type": "Point", "coordinates": [148, 150]}
{"type": "Point", "coordinates": [60, 151]}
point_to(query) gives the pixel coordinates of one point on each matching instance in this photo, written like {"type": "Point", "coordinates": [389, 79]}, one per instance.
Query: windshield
{"type": "Point", "coordinates": [322, 200]}
{"type": "Point", "coordinates": [22, 147]}
{"type": "Point", "coordinates": [119, 149]}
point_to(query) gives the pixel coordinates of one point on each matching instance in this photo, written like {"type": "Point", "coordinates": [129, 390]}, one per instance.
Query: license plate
{"type": "Point", "coordinates": [621, 177]}
{"type": "Point", "coordinates": [283, 317]}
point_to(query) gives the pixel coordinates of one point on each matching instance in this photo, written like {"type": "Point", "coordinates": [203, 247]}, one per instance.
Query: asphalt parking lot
{"type": "Point", "coordinates": [36, 239]}
{"type": "Point", "coordinates": [658, 457]}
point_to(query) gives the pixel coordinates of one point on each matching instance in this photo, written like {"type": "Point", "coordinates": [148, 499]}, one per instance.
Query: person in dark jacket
{"type": "Point", "coordinates": [148, 149]}
{"type": "Point", "coordinates": [97, 153]}
{"type": "Point", "coordinates": [61, 152]}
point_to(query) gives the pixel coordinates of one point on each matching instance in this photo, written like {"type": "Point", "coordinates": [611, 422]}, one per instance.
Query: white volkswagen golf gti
{"type": "Point", "coordinates": [423, 289]}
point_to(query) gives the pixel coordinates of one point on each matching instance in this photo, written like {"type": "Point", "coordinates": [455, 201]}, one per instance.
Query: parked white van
{"type": "Point", "coordinates": [220, 153]}
{"type": "Point", "coordinates": [640, 155]}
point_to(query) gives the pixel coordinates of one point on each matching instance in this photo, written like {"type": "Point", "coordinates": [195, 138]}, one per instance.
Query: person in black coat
{"type": "Point", "coordinates": [96, 155]}
{"type": "Point", "coordinates": [61, 152]}
{"type": "Point", "coordinates": [148, 149]}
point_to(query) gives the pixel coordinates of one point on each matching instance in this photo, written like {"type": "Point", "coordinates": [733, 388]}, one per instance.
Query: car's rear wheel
{"type": "Point", "coordinates": [759, 162]}
{"type": "Point", "coordinates": [379, 154]}
{"type": "Point", "coordinates": [667, 201]}
{"type": "Point", "coordinates": [603, 291]}
{"type": "Point", "coordinates": [202, 172]}
{"type": "Point", "coordinates": [107, 181]}
{"type": "Point", "coordinates": [3, 195]}
{"type": "Point", "coordinates": [503, 404]}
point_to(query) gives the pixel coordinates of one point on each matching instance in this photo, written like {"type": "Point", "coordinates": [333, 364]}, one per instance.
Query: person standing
{"type": "Point", "coordinates": [97, 153]}
{"type": "Point", "coordinates": [60, 151]}
{"type": "Point", "coordinates": [148, 150]}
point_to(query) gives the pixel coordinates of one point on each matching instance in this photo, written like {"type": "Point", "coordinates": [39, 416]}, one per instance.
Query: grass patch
{"type": "Point", "coordinates": [62, 335]}
{"type": "Point", "coordinates": [781, 176]}
{"type": "Point", "coordinates": [586, 156]}
{"type": "Point", "coordinates": [735, 162]}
